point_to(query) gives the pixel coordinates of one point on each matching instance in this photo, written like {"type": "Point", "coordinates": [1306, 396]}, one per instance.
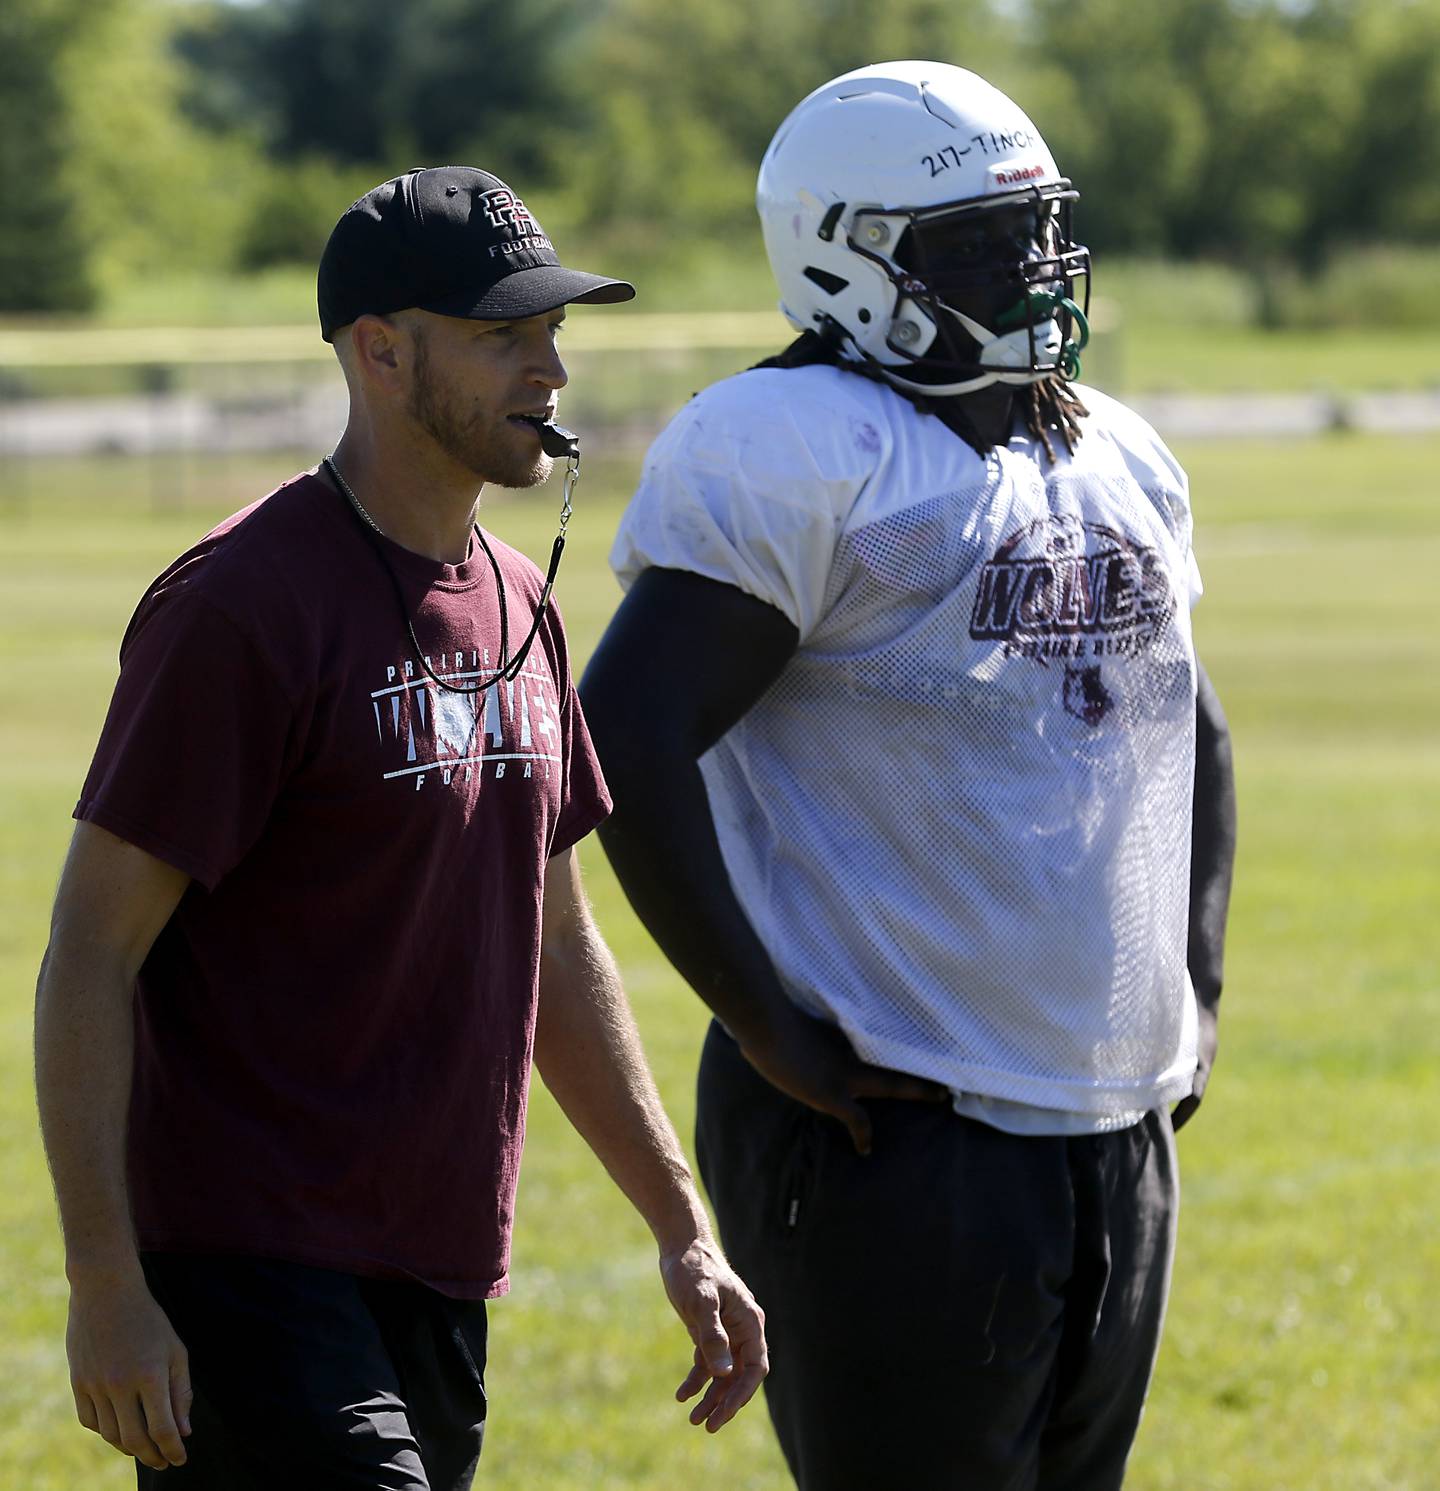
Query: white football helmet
{"type": "Point", "coordinates": [913, 215]}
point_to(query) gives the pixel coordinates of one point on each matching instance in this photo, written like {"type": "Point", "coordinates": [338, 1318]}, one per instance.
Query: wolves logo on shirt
{"type": "Point", "coordinates": [1061, 577]}
{"type": "Point", "coordinates": [429, 733]}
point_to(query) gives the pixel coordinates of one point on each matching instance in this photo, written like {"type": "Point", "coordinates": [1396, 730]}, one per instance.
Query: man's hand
{"type": "Point", "coordinates": [129, 1371]}
{"type": "Point", "coordinates": [588, 1052]}
{"type": "Point", "coordinates": [1208, 1043]}
{"type": "Point", "coordinates": [815, 1064]}
{"type": "Point", "coordinates": [727, 1327]}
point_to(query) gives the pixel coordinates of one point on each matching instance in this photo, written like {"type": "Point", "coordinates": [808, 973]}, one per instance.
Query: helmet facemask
{"type": "Point", "coordinates": [990, 291]}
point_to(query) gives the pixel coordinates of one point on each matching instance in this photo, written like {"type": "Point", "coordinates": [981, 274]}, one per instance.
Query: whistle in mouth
{"type": "Point", "coordinates": [556, 441]}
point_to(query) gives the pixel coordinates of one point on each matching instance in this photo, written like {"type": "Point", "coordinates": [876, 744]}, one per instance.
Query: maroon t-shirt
{"type": "Point", "coordinates": [333, 1032]}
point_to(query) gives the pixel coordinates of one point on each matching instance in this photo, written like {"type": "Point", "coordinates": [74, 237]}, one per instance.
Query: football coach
{"type": "Point", "coordinates": [322, 907]}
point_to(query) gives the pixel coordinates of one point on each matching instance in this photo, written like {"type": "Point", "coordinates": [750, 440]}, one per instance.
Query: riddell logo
{"type": "Point", "coordinates": [1020, 176]}
{"type": "Point", "coordinates": [505, 210]}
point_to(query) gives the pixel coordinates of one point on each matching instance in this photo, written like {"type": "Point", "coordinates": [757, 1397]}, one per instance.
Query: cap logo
{"type": "Point", "coordinates": [452, 240]}
{"type": "Point", "coordinates": [505, 210]}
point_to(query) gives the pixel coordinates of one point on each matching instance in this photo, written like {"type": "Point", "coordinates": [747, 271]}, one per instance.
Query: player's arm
{"type": "Point", "coordinates": [128, 1369]}
{"type": "Point", "coordinates": [1212, 863]}
{"type": "Point", "coordinates": [681, 662]}
{"type": "Point", "coordinates": [588, 1053]}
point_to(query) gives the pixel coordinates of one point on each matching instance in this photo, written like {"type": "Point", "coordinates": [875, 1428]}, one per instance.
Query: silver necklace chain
{"type": "Point", "coordinates": [572, 475]}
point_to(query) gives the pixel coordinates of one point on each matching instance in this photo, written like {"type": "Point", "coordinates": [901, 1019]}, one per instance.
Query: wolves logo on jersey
{"type": "Point", "coordinates": [1062, 576]}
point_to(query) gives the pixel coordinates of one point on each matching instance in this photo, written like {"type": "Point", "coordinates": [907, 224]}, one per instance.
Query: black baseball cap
{"type": "Point", "coordinates": [450, 239]}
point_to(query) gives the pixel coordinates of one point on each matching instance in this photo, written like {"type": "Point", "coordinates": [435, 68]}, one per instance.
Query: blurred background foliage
{"type": "Point", "coordinates": [147, 145]}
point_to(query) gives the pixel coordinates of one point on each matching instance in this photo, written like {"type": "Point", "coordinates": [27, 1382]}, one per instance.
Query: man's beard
{"type": "Point", "coordinates": [464, 441]}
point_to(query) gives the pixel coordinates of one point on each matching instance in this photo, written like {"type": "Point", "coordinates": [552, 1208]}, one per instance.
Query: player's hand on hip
{"type": "Point", "coordinates": [1208, 1044]}
{"type": "Point", "coordinates": [727, 1327]}
{"type": "Point", "coordinates": [815, 1064]}
{"type": "Point", "coordinates": [129, 1371]}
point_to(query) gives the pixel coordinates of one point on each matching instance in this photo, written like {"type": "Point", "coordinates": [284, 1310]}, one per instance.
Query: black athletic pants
{"type": "Point", "coordinates": [307, 1379]}
{"type": "Point", "coordinates": [965, 1310]}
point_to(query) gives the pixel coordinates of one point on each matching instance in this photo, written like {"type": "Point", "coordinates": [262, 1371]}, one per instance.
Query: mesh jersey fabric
{"type": "Point", "coordinates": [960, 818]}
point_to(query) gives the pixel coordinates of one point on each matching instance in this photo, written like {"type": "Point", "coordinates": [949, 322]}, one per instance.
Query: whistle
{"type": "Point", "coordinates": [556, 441]}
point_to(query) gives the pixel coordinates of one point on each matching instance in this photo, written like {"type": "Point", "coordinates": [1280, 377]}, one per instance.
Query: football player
{"type": "Point", "coordinates": [920, 785]}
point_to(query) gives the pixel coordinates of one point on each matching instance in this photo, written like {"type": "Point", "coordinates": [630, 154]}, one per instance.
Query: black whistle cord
{"type": "Point", "coordinates": [509, 668]}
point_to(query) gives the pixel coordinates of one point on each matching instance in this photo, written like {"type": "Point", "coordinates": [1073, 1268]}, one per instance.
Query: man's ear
{"type": "Point", "coordinates": [377, 347]}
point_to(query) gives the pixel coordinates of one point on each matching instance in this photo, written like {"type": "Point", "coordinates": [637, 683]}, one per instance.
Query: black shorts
{"type": "Point", "coordinates": [964, 1308]}
{"type": "Point", "coordinates": [310, 1378]}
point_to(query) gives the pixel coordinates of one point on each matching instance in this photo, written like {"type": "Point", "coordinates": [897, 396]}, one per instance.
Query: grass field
{"type": "Point", "coordinates": [1301, 1349]}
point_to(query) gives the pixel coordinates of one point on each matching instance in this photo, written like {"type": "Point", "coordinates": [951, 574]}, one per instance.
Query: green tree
{"type": "Point", "coordinates": [1280, 97]}
{"type": "Point", "coordinates": [1262, 131]}
{"type": "Point", "coordinates": [103, 178]}
{"type": "Point", "coordinates": [685, 99]}
{"type": "Point", "coordinates": [151, 193]}
{"type": "Point", "coordinates": [367, 81]}
{"type": "Point", "coordinates": [1384, 180]}
{"type": "Point", "coordinates": [44, 256]}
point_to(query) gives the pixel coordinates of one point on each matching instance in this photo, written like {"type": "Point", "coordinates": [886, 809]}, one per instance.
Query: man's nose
{"type": "Point", "coordinates": [550, 370]}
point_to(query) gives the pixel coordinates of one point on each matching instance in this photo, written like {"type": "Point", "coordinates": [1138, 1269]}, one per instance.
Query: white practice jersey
{"type": "Point", "coordinates": [960, 819]}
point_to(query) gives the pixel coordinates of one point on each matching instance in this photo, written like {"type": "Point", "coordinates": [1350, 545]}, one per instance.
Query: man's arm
{"type": "Point", "coordinates": [1212, 864]}
{"type": "Point", "coordinates": [588, 1052]}
{"type": "Point", "coordinates": [681, 662]}
{"type": "Point", "coordinates": [128, 1369]}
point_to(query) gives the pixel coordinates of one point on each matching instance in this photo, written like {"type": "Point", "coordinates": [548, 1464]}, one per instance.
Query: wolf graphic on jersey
{"type": "Point", "coordinates": [1065, 578]}
{"type": "Point", "coordinates": [1075, 590]}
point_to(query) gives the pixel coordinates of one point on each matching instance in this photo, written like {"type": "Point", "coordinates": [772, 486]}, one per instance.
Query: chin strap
{"type": "Point", "coordinates": [1006, 352]}
{"type": "Point", "coordinates": [1039, 307]}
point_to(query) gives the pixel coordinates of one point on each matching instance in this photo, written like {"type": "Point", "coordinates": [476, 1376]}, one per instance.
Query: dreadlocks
{"type": "Point", "coordinates": [1052, 404]}
{"type": "Point", "coordinates": [1048, 405]}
